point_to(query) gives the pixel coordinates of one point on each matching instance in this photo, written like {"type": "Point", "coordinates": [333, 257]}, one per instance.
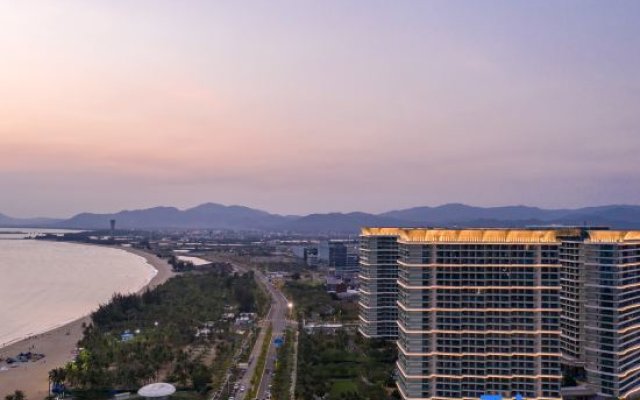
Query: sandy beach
{"type": "Point", "coordinates": [58, 345]}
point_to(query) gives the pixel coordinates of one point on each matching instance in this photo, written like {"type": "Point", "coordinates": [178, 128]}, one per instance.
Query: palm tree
{"type": "Point", "coordinates": [17, 395]}
{"type": "Point", "coordinates": [57, 377]}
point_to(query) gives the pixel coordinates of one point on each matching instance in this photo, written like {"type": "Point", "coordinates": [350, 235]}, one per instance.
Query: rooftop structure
{"type": "Point", "coordinates": [157, 391]}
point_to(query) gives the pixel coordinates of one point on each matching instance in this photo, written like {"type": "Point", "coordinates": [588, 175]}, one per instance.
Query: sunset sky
{"type": "Point", "coordinates": [300, 106]}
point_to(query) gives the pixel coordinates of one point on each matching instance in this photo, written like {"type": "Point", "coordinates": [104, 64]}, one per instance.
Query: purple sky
{"type": "Point", "coordinates": [296, 106]}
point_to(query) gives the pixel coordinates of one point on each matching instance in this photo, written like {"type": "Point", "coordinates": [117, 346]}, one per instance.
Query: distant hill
{"type": "Point", "coordinates": [616, 216]}
{"type": "Point", "coordinates": [460, 213]}
{"type": "Point", "coordinates": [217, 216]}
{"type": "Point", "coordinates": [338, 222]}
{"type": "Point", "coordinates": [209, 215]}
{"type": "Point", "coordinates": [9, 222]}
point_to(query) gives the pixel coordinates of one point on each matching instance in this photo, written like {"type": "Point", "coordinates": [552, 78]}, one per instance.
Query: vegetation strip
{"type": "Point", "coordinates": [282, 381]}
{"type": "Point", "coordinates": [176, 332]}
{"type": "Point", "coordinates": [294, 369]}
{"type": "Point", "coordinates": [256, 379]}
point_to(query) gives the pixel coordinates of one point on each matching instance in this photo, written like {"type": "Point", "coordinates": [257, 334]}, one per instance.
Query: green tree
{"type": "Point", "coordinates": [200, 377]}
{"type": "Point", "coordinates": [17, 395]}
{"type": "Point", "coordinates": [58, 376]}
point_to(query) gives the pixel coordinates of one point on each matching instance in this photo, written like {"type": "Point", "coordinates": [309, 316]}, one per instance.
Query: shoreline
{"type": "Point", "coordinates": [58, 343]}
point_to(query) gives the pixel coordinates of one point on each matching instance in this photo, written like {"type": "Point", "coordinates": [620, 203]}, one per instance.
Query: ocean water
{"type": "Point", "coordinates": [44, 285]}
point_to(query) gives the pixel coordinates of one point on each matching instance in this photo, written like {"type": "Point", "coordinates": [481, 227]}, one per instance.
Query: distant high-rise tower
{"type": "Point", "coordinates": [113, 226]}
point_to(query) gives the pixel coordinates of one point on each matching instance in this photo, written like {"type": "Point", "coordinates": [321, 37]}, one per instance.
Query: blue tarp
{"type": "Point", "coordinates": [491, 397]}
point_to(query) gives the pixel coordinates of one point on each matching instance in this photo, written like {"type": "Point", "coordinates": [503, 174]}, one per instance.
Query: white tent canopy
{"type": "Point", "coordinates": [157, 390]}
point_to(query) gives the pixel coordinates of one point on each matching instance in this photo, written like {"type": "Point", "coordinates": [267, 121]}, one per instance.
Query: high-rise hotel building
{"type": "Point", "coordinates": [611, 296]}
{"type": "Point", "coordinates": [378, 286]}
{"type": "Point", "coordinates": [494, 311]}
{"type": "Point", "coordinates": [572, 279]}
{"type": "Point", "coordinates": [479, 313]}
{"type": "Point", "coordinates": [600, 301]}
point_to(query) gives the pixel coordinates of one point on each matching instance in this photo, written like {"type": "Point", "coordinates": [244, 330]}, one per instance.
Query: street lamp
{"type": "Point", "coordinates": [290, 305]}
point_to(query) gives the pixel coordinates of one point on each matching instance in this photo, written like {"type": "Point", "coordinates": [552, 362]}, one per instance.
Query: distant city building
{"type": "Point", "coordinates": [306, 252]}
{"type": "Point", "coordinates": [299, 251]}
{"type": "Point", "coordinates": [311, 256]}
{"type": "Point", "coordinates": [312, 259]}
{"type": "Point", "coordinates": [335, 285]}
{"type": "Point", "coordinates": [495, 311]}
{"type": "Point", "coordinates": [342, 256]}
{"type": "Point", "coordinates": [332, 253]}
{"type": "Point", "coordinates": [352, 267]}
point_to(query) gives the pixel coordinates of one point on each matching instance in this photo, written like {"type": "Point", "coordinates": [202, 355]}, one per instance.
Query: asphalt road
{"type": "Point", "coordinates": [279, 323]}
{"type": "Point", "coordinates": [277, 316]}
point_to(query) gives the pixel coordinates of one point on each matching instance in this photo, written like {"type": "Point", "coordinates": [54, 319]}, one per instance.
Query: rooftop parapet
{"type": "Point", "coordinates": [613, 236]}
{"type": "Point", "coordinates": [479, 236]}
{"type": "Point", "coordinates": [375, 231]}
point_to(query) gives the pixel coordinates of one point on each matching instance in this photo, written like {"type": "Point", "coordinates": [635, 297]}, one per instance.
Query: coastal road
{"type": "Point", "coordinates": [278, 318]}
{"type": "Point", "coordinates": [280, 305]}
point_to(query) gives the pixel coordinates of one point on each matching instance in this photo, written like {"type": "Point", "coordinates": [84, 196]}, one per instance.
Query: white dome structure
{"type": "Point", "coordinates": [157, 391]}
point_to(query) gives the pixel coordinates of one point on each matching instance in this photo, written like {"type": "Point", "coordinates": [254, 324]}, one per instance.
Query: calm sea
{"type": "Point", "coordinates": [46, 284]}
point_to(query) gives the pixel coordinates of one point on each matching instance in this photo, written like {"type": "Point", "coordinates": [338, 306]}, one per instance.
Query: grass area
{"type": "Point", "coordinates": [312, 300]}
{"type": "Point", "coordinates": [185, 396]}
{"type": "Point", "coordinates": [262, 359]}
{"type": "Point", "coordinates": [340, 387]}
{"type": "Point", "coordinates": [344, 366]}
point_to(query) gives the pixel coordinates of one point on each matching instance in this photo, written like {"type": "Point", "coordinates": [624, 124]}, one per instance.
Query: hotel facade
{"type": "Point", "coordinates": [496, 311]}
{"type": "Point", "coordinates": [611, 293]}
{"type": "Point", "coordinates": [378, 284]}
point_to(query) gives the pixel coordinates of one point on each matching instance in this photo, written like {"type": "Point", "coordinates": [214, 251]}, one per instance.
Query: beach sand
{"type": "Point", "coordinates": [58, 345]}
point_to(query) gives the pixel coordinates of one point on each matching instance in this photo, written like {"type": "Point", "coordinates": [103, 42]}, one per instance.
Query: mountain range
{"type": "Point", "coordinates": [217, 216]}
{"type": "Point", "coordinates": [6, 221]}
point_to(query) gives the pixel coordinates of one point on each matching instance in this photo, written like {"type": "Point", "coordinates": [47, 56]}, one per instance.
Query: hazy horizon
{"type": "Point", "coordinates": [296, 107]}
{"type": "Point", "coordinates": [374, 212]}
